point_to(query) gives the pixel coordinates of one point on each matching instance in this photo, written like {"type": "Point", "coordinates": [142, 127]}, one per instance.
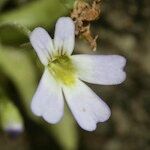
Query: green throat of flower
{"type": "Point", "coordinates": [63, 70]}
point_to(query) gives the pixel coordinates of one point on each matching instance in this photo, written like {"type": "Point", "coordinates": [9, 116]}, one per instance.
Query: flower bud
{"type": "Point", "coordinates": [10, 118]}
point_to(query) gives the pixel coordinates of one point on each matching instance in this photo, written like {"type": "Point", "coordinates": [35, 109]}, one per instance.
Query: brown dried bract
{"type": "Point", "coordinates": [82, 14]}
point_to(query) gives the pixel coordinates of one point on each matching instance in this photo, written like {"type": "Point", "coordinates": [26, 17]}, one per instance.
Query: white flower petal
{"type": "Point", "coordinates": [64, 35]}
{"type": "Point", "coordinates": [100, 69]}
{"type": "Point", "coordinates": [42, 43]}
{"type": "Point", "coordinates": [87, 108]}
{"type": "Point", "coordinates": [48, 99]}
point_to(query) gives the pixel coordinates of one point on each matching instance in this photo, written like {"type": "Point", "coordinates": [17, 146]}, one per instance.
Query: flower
{"type": "Point", "coordinates": [64, 74]}
{"type": "Point", "coordinates": [10, 118]}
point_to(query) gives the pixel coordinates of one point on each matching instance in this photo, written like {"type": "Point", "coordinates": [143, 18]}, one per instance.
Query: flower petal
{"type": "Point", "coordinates": [87, 108]}
{"type": "Point", "coordinates": [48, 99]}
{"type": "Point", "coordinates": [42, 43]}
{"type": "Point", "coordinates": [64, 35]}
{"type": "Point", "coordinates": [100, 69]}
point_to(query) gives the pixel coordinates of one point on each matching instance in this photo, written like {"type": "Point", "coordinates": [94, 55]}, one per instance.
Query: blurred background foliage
{"type": "Point", "coordinates": [123, 28]}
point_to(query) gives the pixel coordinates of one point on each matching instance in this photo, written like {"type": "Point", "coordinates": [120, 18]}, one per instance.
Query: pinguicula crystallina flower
{"type": "Point", "coordinates": [64, 73]}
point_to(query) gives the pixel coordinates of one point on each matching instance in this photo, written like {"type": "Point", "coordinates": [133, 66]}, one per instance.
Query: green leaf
{"type": "Point", "coordinates": [65, 132]}
{"type": "Point", "coordinates": [13, 34]}
{"type": "Point", "coordinates": [68, 3]}
{"type": "Point", "coordinates": [36, 13]}
{"type": "Point", "coordinates": [18, 66]}
{"type": "Point", "coordinates": [24, 30]}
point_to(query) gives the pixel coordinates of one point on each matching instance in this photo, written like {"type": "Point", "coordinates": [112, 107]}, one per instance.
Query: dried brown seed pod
{"type": "Point", "coordinates": [82, 14]}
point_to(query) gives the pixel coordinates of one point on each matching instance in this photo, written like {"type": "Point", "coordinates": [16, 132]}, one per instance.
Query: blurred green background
{"type": "Point", "coordinates": [123, 28]}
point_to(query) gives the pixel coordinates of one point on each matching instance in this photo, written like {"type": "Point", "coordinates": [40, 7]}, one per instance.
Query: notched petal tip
{"type": "Point", "coordinates": [93, 128]}
{"type": "Point", "coordinates": [52, 120]}
{"type": "Point", "coordinates": [87, 108]}
{"type": "Point", "coordinates": [48, 100]}
{"type": "Point", "coordinates": [122, 77]}
{"type": "Point", "coordinates": [100, 69]}
{"type": "Point", "coordinates": [122, 61]}
{"type": "Point", "coordinates": [118, 59]}
{"type": "Point", "coordinates": [106, 116]}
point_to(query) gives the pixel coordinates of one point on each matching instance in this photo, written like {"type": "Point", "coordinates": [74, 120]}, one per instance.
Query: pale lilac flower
{"type": "Point", "coordinates": [64, 74]}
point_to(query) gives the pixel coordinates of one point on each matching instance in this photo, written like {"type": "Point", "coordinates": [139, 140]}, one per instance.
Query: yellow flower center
{"type": "Point", "coordinates": [63, 69]}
